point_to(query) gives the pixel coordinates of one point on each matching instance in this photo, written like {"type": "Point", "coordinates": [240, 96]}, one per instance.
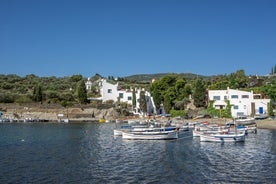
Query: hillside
{"type": "Point", "coordinates": [149, 77]}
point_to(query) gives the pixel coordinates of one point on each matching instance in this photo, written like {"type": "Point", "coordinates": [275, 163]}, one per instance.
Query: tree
{"type": "Point", "coordinates": [160, 88]}
{"type": "Point", "coordinates": [156, 91]}
{"type": "Point", "coordinates": [82, 93]}
{"type": "Point", "coordinates": [180, 89]}
{"type": "Point", "coordinates": [133, 98]}
{"type": "Point", "coordinates": [199, 93]}
{"type": "Point", "coordinates": [76, 78]}
{"type": "Point", "coordinates": [143, 102]}
{"type": "Point", "coordinates": [169, 99]}
{"type": "Point", "coordinates": [37, 93]}
{"type": "Point", "coordinates": [238, 79]}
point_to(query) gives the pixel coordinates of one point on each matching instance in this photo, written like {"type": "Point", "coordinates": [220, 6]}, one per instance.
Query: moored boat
{"type": "Point", "coordinates": [245, 120]}
{"type": "Point", "coordinates": [151, 135]}
{"type": "Point", "coordinates": [230, 137]}
{"type": "Point", "coordinates": [118, 130]}
{"type": "Point", "coordinates": [102, 120]}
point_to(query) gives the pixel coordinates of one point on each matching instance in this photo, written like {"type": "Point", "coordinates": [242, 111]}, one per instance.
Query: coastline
{"type": "Point", "coordinates": [266, 124]}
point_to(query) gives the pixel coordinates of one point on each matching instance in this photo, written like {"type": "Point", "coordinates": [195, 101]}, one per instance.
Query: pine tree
{"type": "Point", "coordinates": [133, 98]}
{"type": "Point", "coordinates": [199, 93]}
{"type": "Point", "coordinates": [143, 102]}
{"type": "Point", "coordinates": [82, 93]}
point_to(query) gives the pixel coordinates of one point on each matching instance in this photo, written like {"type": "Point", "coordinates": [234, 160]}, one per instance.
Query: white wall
{"type": "Point", "coordinates": [241, 104]}
{"type": "Point", "coordinates": [109, 91]}
{"type": "Point", "coordinates": [126, 95]}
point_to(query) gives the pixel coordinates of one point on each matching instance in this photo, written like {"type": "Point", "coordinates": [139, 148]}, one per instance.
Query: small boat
{"type": "Point", "coordinates": [207, 129]}
{"type": "Point", "coordinates": [230, 137]}
{"type": "Point", "coordinates": [118, 130]}
{"type": "Point", "coordinates": [102, 120]}
{"type": "Point", "coordinates": [261, 117]}
{"type": "Point", "coordinates": [150, 135]}
{"type": "Point", "coordinates": [245, 120]}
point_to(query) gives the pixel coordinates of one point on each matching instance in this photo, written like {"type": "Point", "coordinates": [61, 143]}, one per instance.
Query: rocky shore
{"type": "Point", "coordinates": [55, 113]}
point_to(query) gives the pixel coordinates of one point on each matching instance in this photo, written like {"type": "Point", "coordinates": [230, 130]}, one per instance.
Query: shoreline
{"type": "Point", "coordinates": [261, 124]}
{"type": "Point", "coordinates": [266, 124]}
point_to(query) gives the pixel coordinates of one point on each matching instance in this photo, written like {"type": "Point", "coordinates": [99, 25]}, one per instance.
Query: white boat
{"type": "Point", "coordinates": [245, 120]}
{"type": "Point", "coordinates": [205, 132]}
{"type": "Point", "coordinates": [207, 129]}
{"type": "Point", "coordinates": [230, 137]}
{"type": "Point", "coordinates": [150, 135]}
{"type": "Point", "coordinates": [118, 131]}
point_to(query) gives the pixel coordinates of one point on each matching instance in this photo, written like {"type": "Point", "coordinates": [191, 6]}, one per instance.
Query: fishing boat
{"type": "Point", "coordinates": [118, 130]}
{"type": "Point", "coordinates": [230, 137]}
{"type": "Point", "coordinates": [150, 135]}
{"type": "Point", "coordinates": [245, 120]}
{"type": "Point", "coordinates": [207, 129]}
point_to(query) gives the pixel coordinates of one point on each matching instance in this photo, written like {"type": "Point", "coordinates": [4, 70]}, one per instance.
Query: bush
{"type": "Point", "coordinates": [175, 113]}
{"type": "Point", "coordinates": [23, 99]}
{"type": "Point", "coordinates": [7, 98]}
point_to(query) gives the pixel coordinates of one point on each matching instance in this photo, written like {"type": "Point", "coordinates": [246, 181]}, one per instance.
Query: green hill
{"type": "Point", "coordinates": [149, 77]}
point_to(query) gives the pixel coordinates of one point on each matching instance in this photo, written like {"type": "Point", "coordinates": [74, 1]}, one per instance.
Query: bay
{"type": "Point", "coordinates": [89, 153]}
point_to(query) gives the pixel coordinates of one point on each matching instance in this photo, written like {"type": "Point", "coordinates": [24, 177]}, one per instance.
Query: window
{"type": "Point", "coordinates": [225, 97]}
{"type": "Point", "coordinates": [109, 91]}
{"type": "Point", "coordinates": [121, 95]}
{"type": "Point", "coordinates": [245, 96]}
{"type": "Point", "coordinates": [216, 97]}
{"type": "Point", "coordinates": [234, 96]}
{"type": "Point", "coordinates": [236, 107]}
{"type": "Point", "coordinates": [129, 98]}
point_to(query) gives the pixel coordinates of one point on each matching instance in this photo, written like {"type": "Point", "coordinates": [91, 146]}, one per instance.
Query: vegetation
{"type": "Point", "coordinates": [178, 113]}
{"type": "Point", "coordinates": [82, 93]}
{"type": "Point", "coordinates": [133, 97]}
{"type": "Point", "coordinates": [143, 102]}
{"type": "Point", "coordinates": [170, 91]}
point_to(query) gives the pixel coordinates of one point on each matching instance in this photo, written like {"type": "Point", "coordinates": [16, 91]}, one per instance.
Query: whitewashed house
{"type": "Point", "coordinates": [243, 102]}
{"type": "Point", "coordinates": [88, 84]}
{"type": "Point", "coordinates": [114, 92]}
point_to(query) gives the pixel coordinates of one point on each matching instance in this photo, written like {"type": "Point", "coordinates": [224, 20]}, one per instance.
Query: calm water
{"type": "Point", "coordinates": [89, 153]}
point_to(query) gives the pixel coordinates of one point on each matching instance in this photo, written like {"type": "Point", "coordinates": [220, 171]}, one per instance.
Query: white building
{"type": "Point", "coordinates": [114, 92]}
{"type": "Point", "coordinates": [243, 102]}
{"type": "Point", "coordinates": [88, 84]}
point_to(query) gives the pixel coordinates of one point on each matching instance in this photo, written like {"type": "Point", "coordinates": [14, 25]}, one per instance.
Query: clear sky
{"type": "Point", "coordinates": [126, 37]}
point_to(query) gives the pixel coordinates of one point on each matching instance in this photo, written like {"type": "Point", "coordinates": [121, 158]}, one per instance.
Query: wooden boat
{"type": "Point", "coordinates": [207, 129]}
{"type": "Point", "coordinates": [245, 120]}
{"type": "Point", "coordinates": [118, 130]}
{"type": "Point", "coordinates": [150, 135]}
{"type": "Point", "coordinates": [230, 137]}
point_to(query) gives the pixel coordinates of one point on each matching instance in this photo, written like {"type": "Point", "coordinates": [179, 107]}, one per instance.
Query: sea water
{"type": "Point", "coordinates": [89, 153]}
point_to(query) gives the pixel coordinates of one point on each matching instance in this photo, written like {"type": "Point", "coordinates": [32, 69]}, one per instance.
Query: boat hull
{"type": "Point", "coordinates": [223, 138]}
{"type": "Point", "coordinates": [150, 135]}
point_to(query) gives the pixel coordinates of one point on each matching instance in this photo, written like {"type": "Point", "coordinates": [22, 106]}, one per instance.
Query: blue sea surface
{"type": "Point", "coordinates": [89, 153]}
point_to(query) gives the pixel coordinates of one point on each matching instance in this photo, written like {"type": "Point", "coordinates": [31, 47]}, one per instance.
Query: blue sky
{"type": "Point", "coordinates": [127, 37]}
